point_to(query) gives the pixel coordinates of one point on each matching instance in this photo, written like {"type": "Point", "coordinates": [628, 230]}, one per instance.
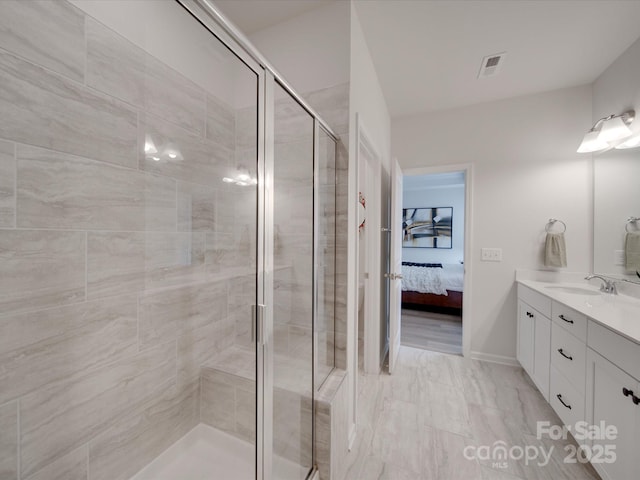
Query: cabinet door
{"type": "Point", "coordinates": [525, 336]}
{"type": "Point", "coordinates": [607, 403]}
{"type": "Point", "coordinates": [542, 353]}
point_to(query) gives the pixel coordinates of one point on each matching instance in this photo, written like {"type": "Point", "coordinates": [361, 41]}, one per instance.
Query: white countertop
{"type": "Point", "coordinates": [620, 313]}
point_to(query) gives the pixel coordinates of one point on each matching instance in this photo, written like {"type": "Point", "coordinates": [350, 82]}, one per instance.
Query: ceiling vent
{"type": "Point", "coordinates": [491, 65]}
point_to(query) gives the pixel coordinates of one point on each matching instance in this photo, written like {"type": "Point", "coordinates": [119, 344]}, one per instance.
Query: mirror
{"type": "Point", "coordinates": [616, 197]}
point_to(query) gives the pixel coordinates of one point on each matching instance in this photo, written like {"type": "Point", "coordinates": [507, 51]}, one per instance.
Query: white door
{"type": "Point", "coordinates": [395, 264]}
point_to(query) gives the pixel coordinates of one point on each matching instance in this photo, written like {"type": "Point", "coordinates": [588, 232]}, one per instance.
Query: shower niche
{"type": "Point", "coordinates": [168, 245]}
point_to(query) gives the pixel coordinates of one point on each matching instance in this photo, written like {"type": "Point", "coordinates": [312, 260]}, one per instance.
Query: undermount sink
{"type": "Point", "coordinates": [573, 290]}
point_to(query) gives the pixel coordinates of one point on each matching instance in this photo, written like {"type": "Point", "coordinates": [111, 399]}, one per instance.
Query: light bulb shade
{"type": "Point", "coordinates": [613, 129]}
{"type": "Point", "coordinates": [592, 143]}
{"type": "Point", "coordinates": [632, 142]}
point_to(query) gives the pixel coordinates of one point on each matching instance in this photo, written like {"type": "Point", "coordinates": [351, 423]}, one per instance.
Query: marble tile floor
{"type": "Point", "coordinates": [416, 423]}
{"type": "Point", "coordinates": [206, 453]}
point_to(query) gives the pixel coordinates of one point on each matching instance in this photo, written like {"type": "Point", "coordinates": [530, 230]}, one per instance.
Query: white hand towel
{"type": "Point", "coordinates": [632, 251]}
{"type": "Point", "coordinates": [555, 250]}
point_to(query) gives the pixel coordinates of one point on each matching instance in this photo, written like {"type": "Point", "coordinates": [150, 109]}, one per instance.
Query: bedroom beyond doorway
{"type": "Point", "coordinates": [433, 223]}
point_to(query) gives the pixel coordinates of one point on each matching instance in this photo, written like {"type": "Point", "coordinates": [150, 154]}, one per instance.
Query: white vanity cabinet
{"type": "Point", "coordinates": [568, 363]}
{"type": "Point", "coordinates": [585, 360]}
{"type": "Point", "coordinates": [534, 336]}
{"type": "Point", "coordinates": [613, 397]}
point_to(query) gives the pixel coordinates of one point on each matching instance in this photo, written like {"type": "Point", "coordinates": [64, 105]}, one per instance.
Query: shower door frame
{"type": "Point", "coordinates": [207, 14]}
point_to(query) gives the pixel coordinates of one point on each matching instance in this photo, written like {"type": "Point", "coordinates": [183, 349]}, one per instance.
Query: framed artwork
{"type": "Point", "coordinates": [428, 227]}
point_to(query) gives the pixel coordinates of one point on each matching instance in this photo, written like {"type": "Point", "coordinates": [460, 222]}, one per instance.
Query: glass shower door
{"type": "Point", "coordinates": [128, 243]}
{"type": "Point", "coordinates": [293, 289]}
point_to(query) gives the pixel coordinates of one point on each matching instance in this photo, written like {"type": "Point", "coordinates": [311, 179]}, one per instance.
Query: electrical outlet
{"type": "Point", "coordinates": [618, 257]}
{"type": "Point", "coordinates": [491, 254]}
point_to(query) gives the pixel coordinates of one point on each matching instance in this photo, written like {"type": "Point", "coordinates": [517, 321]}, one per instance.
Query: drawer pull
{"type": "Point", "coordinates": [568, 320]}
{"type": "Point", "coordinates": [636, 400]}
{"type": "Point", "coordinates": [626, 392]}
{"type": "Point", "coordinates": [569, 357]}
{"type": "Point", "coordinates": [560, 398]}
{"type": "Point", "coordinates": [529, 314]}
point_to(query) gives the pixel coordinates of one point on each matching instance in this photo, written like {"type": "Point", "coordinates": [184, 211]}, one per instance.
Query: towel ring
{"type": "Point", "coordinates": [631, 220]}
{"type": "Point", "coordinates": [551, 222]}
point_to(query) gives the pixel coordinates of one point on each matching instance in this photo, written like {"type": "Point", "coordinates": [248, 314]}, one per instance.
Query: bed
{"type": "Point", "coordinates": [433, 287]}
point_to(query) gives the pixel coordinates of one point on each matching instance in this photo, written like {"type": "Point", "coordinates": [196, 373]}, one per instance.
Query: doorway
{"type": "Point", "coordinates": [433, 260]}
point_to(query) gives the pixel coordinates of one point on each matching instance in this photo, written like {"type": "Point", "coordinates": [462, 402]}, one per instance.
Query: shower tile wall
{"type": "Point", "coordinates": [121, 275]}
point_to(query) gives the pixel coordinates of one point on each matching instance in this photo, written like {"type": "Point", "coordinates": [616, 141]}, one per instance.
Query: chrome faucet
{"type": "Point", "coordinates": [608, 285]}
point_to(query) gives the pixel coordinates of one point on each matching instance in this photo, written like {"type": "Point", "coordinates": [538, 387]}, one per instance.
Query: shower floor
{"type": "Point", "coordinates": [206, 453]}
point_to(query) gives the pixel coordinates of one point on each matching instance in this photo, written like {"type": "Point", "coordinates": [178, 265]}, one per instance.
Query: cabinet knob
{"type": "Point", "coordinates": [636, 400]}
{"type": "Point", "coordinates": [626, 392]}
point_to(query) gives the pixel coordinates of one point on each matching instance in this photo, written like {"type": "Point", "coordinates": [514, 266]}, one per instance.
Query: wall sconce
{"type": "Point", "coordinates": [607, 131]}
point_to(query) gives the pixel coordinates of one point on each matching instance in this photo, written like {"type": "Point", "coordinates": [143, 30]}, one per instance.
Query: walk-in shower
{"type": "Point", "coordinates": [167, 248]}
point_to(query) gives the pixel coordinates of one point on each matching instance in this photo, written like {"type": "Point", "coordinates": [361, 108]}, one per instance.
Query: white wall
{"type": "Point", "coordinates": [445, 196]}
{"type": "Point", "coordinates": [311, 51]}
{"type": "Point", "coordinates": [366, 95]}
{"type": "Point", "coordinates": [616, 173]}
{"type": "Point", "coordinates": [525, 170]}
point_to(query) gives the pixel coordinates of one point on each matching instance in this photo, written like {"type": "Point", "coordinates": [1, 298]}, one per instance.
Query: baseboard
{"type": "Point", "coordinates": [488, 357]}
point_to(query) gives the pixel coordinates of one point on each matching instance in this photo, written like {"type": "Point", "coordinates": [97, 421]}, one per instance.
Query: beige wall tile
{"type": "Point", "coordinates": [173, 259]}
{"type": "Point", "coordinates": [41, 269]}
{"type": "Point", "coordinates": [72, 466]}
{"type": "Point", "coordinates": [56, 419]}
{"type": "Point", "coordinates": [57, 190]}
{"type": "Point", "coordinates": [50, 34]}
{"type": "Point", "coordinates": [41, 108]}
{"type": "Point", "coordinates": [9, 441]}
{"type": "Point", "coordinates": [7, 185]}
{"type": "Point", "coordinates": [221, 122]}
{"type": "Point", "coordinates": [197, 207]}
{"type": "Point", "coordinates": [221, 252]}
{"type": "Point", "coordinates": [198, 160]}
{"type": "Point", "coordinates": [47, 346]}
{"type": "Point", "coordinates": [217, 405]}
{"type": "Point", "coordinates": [115, 263]}
{"type": "Point", "coordinates": [167, 314]}
{"type": "Point", "coordinates": [134, 441]}
{"type": "Point", "coordinates": [119, 68]}
{"type": "Point", "coordinates": [199, 346]}
{"type": "Point", "coordinates": [332, 104]}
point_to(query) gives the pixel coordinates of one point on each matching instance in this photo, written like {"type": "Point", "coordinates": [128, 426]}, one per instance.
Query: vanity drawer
{"type": "Point", "coordinates": [570, 320]}
{"type": "Point", "coordinates": [568, 355]}
{"type": "Point", "coordinates": [565, 399]}
{"type": "Point", "coordinates": [614, 347]}
{"type": "Point", "coordinates": [536, 300]}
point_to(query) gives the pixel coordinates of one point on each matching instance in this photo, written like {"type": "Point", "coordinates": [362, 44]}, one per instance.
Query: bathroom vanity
{"type": "Point", "coordinates": [581, 348]}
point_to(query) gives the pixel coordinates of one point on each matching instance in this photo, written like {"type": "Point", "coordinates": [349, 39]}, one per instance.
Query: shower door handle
{"type": "Point", "coordinates": [257, 324]}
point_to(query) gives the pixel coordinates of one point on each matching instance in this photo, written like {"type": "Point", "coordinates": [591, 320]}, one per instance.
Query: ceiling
{"type": "Point", "coordinates": [428, 53]}
{"type": "Point", "coordinates": [254, 15]}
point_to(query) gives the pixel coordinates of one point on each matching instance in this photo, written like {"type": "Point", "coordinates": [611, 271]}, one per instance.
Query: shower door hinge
{"type": "Point", "coordinates": [257, 324]}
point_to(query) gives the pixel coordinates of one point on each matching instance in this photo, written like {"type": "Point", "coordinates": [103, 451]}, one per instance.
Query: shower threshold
{"type": "Point", "coordinates": [206, 453]}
